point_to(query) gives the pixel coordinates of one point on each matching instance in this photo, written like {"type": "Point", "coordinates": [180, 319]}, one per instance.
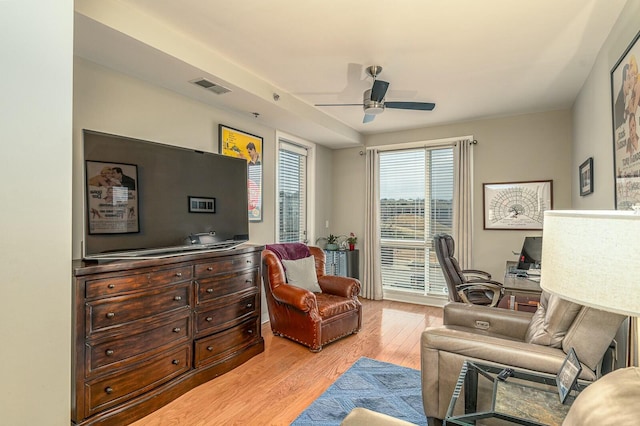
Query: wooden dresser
{"type": "Point", "coordinates": [147, 331]}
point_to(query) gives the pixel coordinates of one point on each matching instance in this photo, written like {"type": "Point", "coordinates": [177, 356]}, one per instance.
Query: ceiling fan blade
{"type": "Point", "coordinates": [360, 104]}
{"type": "Point", "coordinates": [378, 90]}
{"type": "Point", "coordinates": [423, 106]}
{"type": "Point", "coordinates": [368, 118]}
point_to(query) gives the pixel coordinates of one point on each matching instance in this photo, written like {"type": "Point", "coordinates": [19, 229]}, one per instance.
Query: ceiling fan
{"type": "Point", "coordinates": [373, 101]}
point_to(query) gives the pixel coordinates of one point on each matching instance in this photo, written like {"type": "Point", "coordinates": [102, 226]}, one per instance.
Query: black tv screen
{"type": "Point", "coordinates": [146, 199]}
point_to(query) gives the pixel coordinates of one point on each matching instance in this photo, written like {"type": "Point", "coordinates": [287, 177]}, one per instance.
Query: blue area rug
{"type": "Point", "coordinates": [375, 385]}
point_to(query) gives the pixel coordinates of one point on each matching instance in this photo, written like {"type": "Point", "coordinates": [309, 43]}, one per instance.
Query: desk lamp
{"type": "Point", "coordinates": [593, 258]}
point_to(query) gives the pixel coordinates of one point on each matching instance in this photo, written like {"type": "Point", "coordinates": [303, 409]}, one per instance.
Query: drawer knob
{"type": "Point", "coordinates": [209, 268]}
{"type": "Point", "coordinates": [108, 390]}
{"type": "Point", "coordinates": [249, 305]}
{"type": "Point", "coordinates": [209, 290]}
{"type": "Point", "coordinates": [176, 330]}
{"type": "Point", "coordinates": [249, 261]}
{"type": "Point", "coordinates": [209, 348]}
{"type": "Point", "coordinates": [110, 315]}
{"type": "Point", "coordinates": [209, 319]}
{"type": "Point", "coordinates": [248, 281]}
{"type": "Point", "coordinates": [175, 362]}
{"type": "Point", "coordinates": [111, 286]}
{"type": "Point", "coordinates": [250, 331]}
{"type": "Point", "coordinates": [177, 298]}
{"type": "Point", "coordinates": [179, 274]}
{"type": "Point", "coordinates": [109, 352]}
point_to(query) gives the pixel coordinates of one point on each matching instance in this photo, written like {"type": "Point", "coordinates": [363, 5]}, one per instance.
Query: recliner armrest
{"type": "Point", "coordinates": [505, 322]}
{"type": "Point", "coordinates": [297, 297]}
{"type": "Point", "coordinates": [339, 286]}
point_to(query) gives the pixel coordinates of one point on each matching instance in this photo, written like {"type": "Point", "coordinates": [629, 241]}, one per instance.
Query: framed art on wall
{"type": "Point", "coordinates": [516, 205]}
{"type": "Point", "coordinates": [625, 102]}
{"type": "Point", "coordinates": [586, 177]}
{"type": "Point", "coordinates": [112, 198]}
{"type": "Point", "coordinates": [239, 144]}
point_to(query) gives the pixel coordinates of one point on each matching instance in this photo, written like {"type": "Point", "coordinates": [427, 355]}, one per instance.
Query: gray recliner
{"type": "Point", "coordinates": [526, 341]}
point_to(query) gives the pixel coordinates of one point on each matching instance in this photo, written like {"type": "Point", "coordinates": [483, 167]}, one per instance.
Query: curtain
{"type": "Point", "coordinates": [372, 276]}
{"type": "Point", "coordinates": [463, 202]}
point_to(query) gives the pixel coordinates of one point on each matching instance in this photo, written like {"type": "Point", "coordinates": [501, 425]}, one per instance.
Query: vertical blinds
{"type": "Point", "coordinates": [292, 188]}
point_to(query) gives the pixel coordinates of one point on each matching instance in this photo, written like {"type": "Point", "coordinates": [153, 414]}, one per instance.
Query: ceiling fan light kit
{"type": "Point", "coordinates": [373, 102]}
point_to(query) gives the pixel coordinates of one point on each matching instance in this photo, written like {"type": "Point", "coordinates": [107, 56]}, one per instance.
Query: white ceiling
{"type": "Point", "coordinates": [474, 59]}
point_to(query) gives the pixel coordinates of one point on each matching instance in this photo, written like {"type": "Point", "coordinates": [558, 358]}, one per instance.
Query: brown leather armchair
{"type": "Point", "coordinates": [465, 285]}
{"type": "Point", "coordinates": [312, 319]}
{"type": "Point", "coordinates": [526, 341]}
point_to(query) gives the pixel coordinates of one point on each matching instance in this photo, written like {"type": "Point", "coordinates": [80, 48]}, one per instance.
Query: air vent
{"type": "Point", "coordinates": [211, 86]}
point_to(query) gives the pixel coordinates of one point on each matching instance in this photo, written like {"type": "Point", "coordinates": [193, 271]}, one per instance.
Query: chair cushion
{"type": "Point", "coordinates": [302, 273]}
{"type": "Point", "coordinates": [551, 321]}
{"type": "Point", "coordinates": [330, 305]}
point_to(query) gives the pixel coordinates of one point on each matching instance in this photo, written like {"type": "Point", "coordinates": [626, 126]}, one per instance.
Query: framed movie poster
{"type": "Point", "coordinates": [112, 198]}
{"type": "Point", "coordinates": [239, 144]}
{"type": "Point", "coordinates": [625, 101]}
{"type": "Point", "coordinates": [516, 205]}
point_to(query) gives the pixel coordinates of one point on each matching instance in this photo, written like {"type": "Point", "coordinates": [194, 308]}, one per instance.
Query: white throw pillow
{"type": "Point", "coordinates": [302, 273]}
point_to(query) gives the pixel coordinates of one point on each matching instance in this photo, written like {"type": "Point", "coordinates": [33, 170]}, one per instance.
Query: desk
{"type": "Point", "coordinates": [526, 291]}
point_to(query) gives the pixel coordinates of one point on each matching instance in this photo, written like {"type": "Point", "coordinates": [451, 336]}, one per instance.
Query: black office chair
{"type": "Point", "coordinates": [470, 285]}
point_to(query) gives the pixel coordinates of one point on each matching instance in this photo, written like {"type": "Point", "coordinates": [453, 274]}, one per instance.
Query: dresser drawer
{"type": "Point", "coordinates": [221, 345]}
{"type": "Point", "coordinates": [125, 283]}
{"type": "Point", "coordinates": [224, 285]}
{"type": "Point", "coordinates": [218, 317]}
{"type": "Point", "coordinates": [148, 338]}
{"type": "Point", "coordinates": [227, 264]}
{"type": "Point", "coordinates": [119, 387]}
{"type": "Point", "coordinates": [106, 313]}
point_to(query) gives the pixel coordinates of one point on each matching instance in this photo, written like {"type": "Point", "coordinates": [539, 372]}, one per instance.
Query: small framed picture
{"type": "Point", "coordinates": [586, 177]}
{"type": "Point", "coordinates": [568, 375]}
{"type": "Point", "coordinates": [202, 205]}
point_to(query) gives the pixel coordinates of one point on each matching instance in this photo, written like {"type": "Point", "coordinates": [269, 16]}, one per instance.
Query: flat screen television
{"type": "Point", "coordinates": [146, 200]}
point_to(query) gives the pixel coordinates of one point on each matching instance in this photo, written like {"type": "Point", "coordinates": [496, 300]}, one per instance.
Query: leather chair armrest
{"type": "Point", "coordinates": [339, 286]}
{"type": "Point", "coordinates": [477, 273]}
{"type": "Point", "coordinates": [483, 285]}
{"type": "Point", "coordinates": [505, 322]}
{"type": "Point", "coordinates": [492, 349]}
{"type": "Point", "coordinates": [297, 297]}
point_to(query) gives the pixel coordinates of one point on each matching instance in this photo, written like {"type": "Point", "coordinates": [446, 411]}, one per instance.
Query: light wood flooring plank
{"type": "Point", "coordinates": [274, 387]}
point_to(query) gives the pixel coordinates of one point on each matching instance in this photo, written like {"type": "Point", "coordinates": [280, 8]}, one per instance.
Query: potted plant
{"type": "Point", "coordinates": [352, 240]}
{"type": "Point", "coordinates": [331, 242]}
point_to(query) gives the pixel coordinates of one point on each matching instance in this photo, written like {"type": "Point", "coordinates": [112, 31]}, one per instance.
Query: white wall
{"type": "Point", "coordinates": [592, 117]}
{"type": "Point", "coordinates": [36, 46]}
{"type": "Point", "coordinates": [518, 148]}
{"type": "Point", "coordinates": [111, 102]}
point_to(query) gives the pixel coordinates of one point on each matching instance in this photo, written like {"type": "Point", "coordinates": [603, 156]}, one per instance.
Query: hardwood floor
{"type": "Point", "coordinates": [274, 387]}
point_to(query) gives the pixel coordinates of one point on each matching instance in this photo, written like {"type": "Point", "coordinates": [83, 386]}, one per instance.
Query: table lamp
{"type": "Point", "coordinates": [593, 258]}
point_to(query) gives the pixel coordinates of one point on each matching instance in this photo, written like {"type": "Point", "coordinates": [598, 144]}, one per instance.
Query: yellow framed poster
{"type": "Point", "coordinates": [239, 144]}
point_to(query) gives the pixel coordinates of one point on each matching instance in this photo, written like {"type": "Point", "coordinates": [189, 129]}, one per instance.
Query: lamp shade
{"type": "Point", "coordinates": [593, 258]}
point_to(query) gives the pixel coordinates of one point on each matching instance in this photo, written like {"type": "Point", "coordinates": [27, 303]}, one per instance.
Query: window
{"type": "Point", "coordinates": [292, 193]}
{"type": "Point", "coordinates": [416, 202]}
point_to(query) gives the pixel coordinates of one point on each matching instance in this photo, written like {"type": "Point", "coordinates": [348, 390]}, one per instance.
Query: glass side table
{"type": "Point", "coordinates": [525, 398]}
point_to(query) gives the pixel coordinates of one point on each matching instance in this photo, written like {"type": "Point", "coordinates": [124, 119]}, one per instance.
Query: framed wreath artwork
{"type": "Point", "coordinates": [516, 205]}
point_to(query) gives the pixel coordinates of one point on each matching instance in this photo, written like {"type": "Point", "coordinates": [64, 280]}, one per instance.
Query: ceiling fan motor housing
{"type": "Point", "coordinates": [371, 107]}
